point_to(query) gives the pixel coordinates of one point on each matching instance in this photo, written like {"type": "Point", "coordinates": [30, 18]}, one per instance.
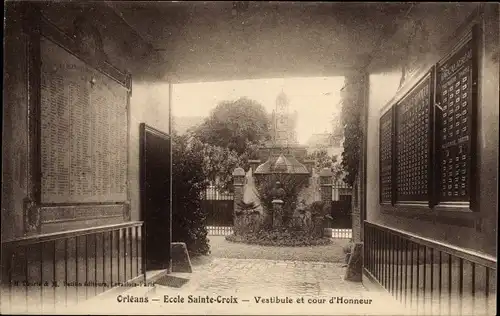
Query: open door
{"type": "Point", "coordinates": [155, 172]}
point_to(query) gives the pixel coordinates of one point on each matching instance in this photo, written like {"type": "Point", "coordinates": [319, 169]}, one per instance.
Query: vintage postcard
{"type": "Point", "coordinates": [247, 157]}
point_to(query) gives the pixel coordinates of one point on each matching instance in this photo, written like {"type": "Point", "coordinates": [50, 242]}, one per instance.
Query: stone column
{"type": "Point", "coordinates": [356, 211]}
{"type": "Point", "coordinates": [355, 93]}
{"type": "Point", "coordinates": [326, 182]}
{"type": "Point", "coordinates": [277, 213]}
{"type": "Point", "coordinates": [238, 182]}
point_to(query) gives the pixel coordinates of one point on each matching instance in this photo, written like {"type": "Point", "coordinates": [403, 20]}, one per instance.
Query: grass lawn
{"type": "Point", "coordinates": [221, 248]}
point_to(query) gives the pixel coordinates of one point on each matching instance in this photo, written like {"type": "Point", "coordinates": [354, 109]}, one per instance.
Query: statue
{"type": "Point", "coordinates": [278, 192]}
{"type": "Point", "coordinates": [301, 216]}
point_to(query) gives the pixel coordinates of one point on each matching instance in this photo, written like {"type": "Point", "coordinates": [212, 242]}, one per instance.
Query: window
{"type": "Point", "coordinates": [427, 138]}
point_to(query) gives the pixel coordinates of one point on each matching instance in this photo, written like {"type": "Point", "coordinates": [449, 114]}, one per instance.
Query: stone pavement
{"type": "Point", "coordinates": [301, 287]}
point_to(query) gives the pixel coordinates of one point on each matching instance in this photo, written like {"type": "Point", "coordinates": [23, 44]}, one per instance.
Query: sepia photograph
{"type": "Point", "coordinates": [250, 157]}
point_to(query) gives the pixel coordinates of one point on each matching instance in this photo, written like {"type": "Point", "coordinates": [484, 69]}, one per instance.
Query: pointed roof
{"type": "Point", "coordinates": [281, 164]}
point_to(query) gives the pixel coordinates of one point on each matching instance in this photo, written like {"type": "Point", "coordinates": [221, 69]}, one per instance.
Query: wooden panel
{"type": "Point", "coordinates": [83, 131]}
{"type": "Point", "coordinates": [386, 156]}
{"type": "Point", "coordinates": [414, 128]}
{"type": "Point", "coordinates": [55, 270]}
{"type": "Point", "coordinates": [456, 94]}
{"type": "Point", "coordinates": [56, 214]}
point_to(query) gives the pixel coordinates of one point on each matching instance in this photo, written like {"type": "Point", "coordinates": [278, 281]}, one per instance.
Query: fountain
{"type": "Point", "coordinates": [269, 212]}
{"type": "Point", "coordinates": [267, 208]}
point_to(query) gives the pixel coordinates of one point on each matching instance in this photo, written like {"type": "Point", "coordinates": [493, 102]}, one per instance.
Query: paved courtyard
{"type": "Point", "coordinates": [252, 286]}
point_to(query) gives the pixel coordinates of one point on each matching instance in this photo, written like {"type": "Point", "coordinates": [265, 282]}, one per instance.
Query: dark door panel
{"type": "Point", "coordinates": [155, 167]}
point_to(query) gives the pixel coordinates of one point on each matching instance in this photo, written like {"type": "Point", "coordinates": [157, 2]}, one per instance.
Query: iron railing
{"type": "Point", "coordinates": [339, 233]}
{"type": "Point", "coordinates": [431, 278]}
{"type": "Point", "coordinates": [218, 207]}
{"type": "Point", "coordinates": [49, 272]}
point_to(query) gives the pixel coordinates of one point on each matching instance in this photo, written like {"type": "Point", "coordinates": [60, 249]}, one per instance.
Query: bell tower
{"type": "Point", "coordinates": [281, 126]}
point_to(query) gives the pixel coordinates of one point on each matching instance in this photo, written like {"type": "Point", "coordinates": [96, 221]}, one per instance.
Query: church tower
{"type": "Point", "coordinates": [283, 124]}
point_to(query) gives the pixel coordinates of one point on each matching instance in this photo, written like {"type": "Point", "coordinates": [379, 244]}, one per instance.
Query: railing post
{"type": "Point", "coordinates": [326, 178]}
{"type": "Point", "coordinates": [238, 182]}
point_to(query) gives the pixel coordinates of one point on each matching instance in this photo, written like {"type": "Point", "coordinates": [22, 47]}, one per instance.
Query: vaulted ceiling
{"type": "Point", "coordinates": [214, 40]}
{"type": "Point", "coordinates": [211, 41]}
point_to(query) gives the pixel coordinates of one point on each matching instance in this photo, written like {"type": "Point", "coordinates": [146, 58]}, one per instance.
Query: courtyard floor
{"type": "Point", "coordinates": [250, 279]}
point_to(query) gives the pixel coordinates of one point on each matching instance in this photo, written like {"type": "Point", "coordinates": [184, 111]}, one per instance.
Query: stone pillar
{"type": "Point", "coordinates": [355, 93]}
{"type": "Point", "coordinates": [356, 211]}
{"type": "Point", "coordinates": [354, 269]}
{"type": "Point", "coordinates": [277, 213]}
{"type": "Point", "coordinates": [326, 182]}
{"type": "Point", "coordinates": [238, 182]}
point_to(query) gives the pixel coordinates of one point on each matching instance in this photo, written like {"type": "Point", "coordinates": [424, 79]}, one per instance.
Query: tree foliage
{"type": "Point", "coordinates": [235, 125]}
{"type": "Point", "coordinates": [229, 138]}
{"type": "Point", "coordinates": [188, 182]}
{"type": "Point", "coordinates": [323, 160]}
{"type": "Point", "coordinates": [218, 163]}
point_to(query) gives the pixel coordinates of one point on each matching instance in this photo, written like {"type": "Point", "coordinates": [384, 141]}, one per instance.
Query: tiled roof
{"type": "Point", "coordinates": [281, 164]}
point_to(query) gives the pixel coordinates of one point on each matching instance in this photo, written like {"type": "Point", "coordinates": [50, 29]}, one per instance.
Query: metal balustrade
{"type": "Point", "coordinates": [431, 278]}
{"type": "Point", "coordinates": [49, 272]}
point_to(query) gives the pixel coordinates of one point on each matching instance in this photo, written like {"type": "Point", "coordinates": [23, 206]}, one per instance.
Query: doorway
{"type": "Point", "coordinates": [155, 173]}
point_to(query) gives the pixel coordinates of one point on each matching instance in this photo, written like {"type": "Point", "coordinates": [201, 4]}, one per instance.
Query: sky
{"type": "Point", "coordinates": [315, 99]}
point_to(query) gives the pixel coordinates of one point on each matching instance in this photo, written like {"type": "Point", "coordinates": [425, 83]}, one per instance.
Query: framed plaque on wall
{"type": "Point", "coordinates": [414, 138]}
{"type": "Point", "coordinates": [456, 114]}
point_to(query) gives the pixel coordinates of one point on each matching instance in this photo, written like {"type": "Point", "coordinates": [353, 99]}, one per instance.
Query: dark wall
{"type": "Point", "coordinates": [126, 51]}
{"type": "Point", "coordinates": [476, 231]}
{"type": "Point", "coordinates": [15, 166]}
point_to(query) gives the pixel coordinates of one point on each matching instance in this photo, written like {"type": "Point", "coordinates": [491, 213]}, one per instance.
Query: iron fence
{"type": "Point", "coordinates": [53, 271]}
{"type": "Point", "coordinates": [339, 233]}
{"type": "Point", "coordinates": [431, 278]}
{"type": "Point", "coordinates": [218, 207]}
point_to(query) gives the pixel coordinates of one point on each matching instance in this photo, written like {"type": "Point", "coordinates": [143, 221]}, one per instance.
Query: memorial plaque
{"type": "Point", "coordinates": [455, 114]}
{"type": "Point", "coordinates": [413, 150]}
{"type": "Point", "coordinates": [386, 155]}
{"type": "Point", "coordinates": [83, 131]}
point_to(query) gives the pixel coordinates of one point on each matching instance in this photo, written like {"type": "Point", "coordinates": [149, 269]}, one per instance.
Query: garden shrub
{"type": "Point", "coordinates": [189, 181]}
{"type": "Point", "coordinates": [280, 238]}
